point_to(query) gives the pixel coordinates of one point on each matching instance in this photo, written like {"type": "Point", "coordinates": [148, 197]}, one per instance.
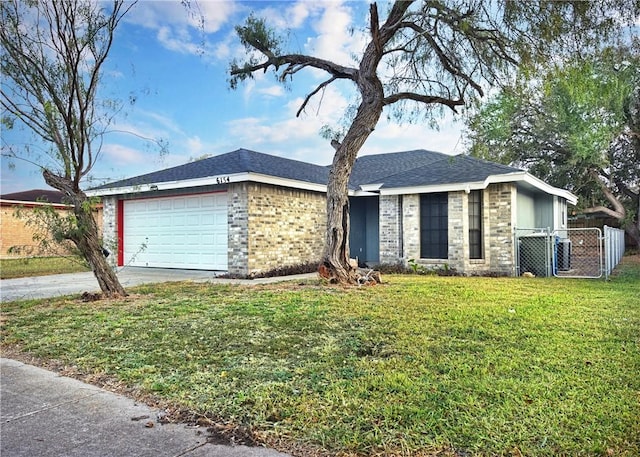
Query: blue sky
{"type": "Point", "coordinates": [178, 76]}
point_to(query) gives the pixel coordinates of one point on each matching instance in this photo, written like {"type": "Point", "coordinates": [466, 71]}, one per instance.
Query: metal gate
{"type": "Point", "coordinates": [567, 253]}
{"type": "Point", "coordinates": [579, 253]}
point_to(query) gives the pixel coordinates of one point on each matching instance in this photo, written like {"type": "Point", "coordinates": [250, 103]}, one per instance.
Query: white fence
{"type": "Point", "coordinates": [568, 253]}
{"type": "Point", "coordinates": [613, 248]}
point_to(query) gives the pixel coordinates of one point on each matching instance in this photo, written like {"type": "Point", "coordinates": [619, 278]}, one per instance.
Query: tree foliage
{"type": "Point", "coordinates": [576, 127]}
{"type": "Point", "coordinates": [52, 57]}
{"type": "Point", "coordinates": [424, 57]}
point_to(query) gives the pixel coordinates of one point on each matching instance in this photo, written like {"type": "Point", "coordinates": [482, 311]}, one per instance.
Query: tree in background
{"type": "Point", "coordinates": [577, 127]}
{"type": "Point", "coordinates": [52, 56]}
{"type": "Point", "coordinates": [425, 57]}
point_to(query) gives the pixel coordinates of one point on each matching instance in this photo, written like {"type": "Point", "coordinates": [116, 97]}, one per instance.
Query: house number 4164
{"type": "Point", "coordinates": [223, 180]}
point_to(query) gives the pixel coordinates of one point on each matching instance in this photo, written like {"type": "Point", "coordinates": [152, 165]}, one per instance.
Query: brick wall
{"type": "Point", "coordinates": [501, 203]}
{"type": "Point", "coordinates": [110, 228]}
{"type": "Point", "coordinates": [498, 221]}
{"type": "Point", "coordinates": [411, 226]}
{"type": "Point", "coordinates": [285, 226]}
{"type": "Point", "coordinates": [15, 232]}
{"type": "Point", "coordinates": [391, 229]}
{"type": "Point", "coordinates": [458, 228]}
{"type": "Point", "coordinates": [238, 217]}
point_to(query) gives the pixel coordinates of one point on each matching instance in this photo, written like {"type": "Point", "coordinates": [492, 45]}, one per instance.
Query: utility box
{"type": "Point", "coordinates": [534, 253]}
{"type": "Point", "coordinates": [563, 254]}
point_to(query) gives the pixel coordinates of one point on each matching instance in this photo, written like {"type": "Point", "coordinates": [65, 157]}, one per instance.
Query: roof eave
{"type": "Point", "coordinates": [518, 176]}
{"type": "Point", "coordinates": [538, 183]}
{"type": "Point", "coordinates": [207, 181]}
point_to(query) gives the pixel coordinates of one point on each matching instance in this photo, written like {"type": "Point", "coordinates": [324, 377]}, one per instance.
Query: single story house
{"type": "Point", "coordinates": [17, 234]}
{"type": "Point", "coordinates": [247, 212]}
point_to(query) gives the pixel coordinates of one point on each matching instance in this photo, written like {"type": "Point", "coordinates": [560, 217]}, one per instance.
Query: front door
{"type": "Point", "coordinates": [364, 237]}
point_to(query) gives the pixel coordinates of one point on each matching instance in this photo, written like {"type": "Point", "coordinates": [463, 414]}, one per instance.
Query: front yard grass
{"type": "Point", "coordinates": [421, 365]}
{"type": "Point", "coordinates": [40, 266]}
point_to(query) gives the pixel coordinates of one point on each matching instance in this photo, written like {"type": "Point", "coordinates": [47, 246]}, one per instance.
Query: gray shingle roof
{"type": "Point", "coordinates": [374, 168]}
{"type": "Point", "coordinates": [399, 169]}
{"type": "Point", "coordinates": [447, 170]}
{"type": "Point", "coordinates": [238, 161]}
{"type": "Point", "coordinates": [36, 195]}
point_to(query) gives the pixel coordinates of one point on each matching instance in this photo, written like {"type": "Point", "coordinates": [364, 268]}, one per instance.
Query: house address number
{"type": "Point", "coordinates": [223, 180]}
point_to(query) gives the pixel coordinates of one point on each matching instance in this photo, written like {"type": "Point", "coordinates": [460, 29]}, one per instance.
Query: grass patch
{"type": "Point", "coordinates": [422, 364]}
{"type": "Point", "coordinates": [40, 266]}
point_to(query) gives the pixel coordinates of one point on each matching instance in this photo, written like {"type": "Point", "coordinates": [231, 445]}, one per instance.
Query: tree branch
{"type": "Point", "coordinates": [446, 62]}
{"type": "Point", "coordinates": [603, 209]}
{"type": "Point", "coordinates": [427, 99]}
{"type": "Point", "coordinates": [617, 205]}
{"type": "Point", "coordinates": [317, 89]}
{"type": "Point", "coordinates": [339, 71]}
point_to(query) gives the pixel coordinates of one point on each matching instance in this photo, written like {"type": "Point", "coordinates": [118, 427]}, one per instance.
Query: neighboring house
{"type": "Point", "coordinates": [16, 235]}
{"type": "Point", "coordinates": [246, 212]}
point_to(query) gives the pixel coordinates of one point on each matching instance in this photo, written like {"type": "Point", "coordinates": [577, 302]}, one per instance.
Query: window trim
{"type": "Point", "coordinates": [438, 229]}
{"type": "Point", "coordinates": [476, 228]}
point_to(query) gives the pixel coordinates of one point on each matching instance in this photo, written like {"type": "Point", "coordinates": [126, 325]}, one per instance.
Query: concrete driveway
{"type": "Point", "coordinates": [77, 283]}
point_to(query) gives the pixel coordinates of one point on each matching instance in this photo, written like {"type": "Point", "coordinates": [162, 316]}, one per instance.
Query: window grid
{"type": "Point", "coordinates": [434, 226]}
{"type": "Point", "coordinates": [475, 224]}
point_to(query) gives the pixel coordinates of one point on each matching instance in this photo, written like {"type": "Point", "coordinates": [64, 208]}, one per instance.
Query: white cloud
{"type": "Point", "coordinates": [291, 15]}
{"type": "Point", "coordinates": [184, 29]}
{"type": "Point", "coordinates": [194, 146]}
{"type": "Point", "coordinates": [272, 91]}
{"type": "Point", "coordinates": [337, 39]}
{"type": "Point", "coordinates": [208, 16]}
{"type": "Point", "coordinates": [123, 156]}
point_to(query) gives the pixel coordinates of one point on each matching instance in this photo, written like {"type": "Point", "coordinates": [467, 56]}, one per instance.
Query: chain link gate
{"type": "Point", "coordinates": [567, 253]}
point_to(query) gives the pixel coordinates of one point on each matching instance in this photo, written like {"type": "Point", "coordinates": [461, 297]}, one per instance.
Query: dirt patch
{"type": "Point", "coordinates": [631, 260]}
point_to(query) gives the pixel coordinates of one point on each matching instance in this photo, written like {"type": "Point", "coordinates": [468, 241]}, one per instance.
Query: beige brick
{"type": "Point", "coordinates": [15, 232]}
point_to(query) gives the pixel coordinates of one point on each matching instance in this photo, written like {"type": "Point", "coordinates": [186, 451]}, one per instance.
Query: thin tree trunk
{"type": "Point", "coordinates": [85, 236]}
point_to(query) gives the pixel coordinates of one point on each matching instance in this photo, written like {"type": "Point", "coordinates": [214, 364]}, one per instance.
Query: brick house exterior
{"type": "Point", "coordinates": [271, 212]}
{"type": "Point", "coordinates": [16, 235]}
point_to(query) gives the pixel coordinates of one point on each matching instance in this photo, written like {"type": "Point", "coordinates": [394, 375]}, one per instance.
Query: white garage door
{"type": "Point", "coordinates": [177, 232]}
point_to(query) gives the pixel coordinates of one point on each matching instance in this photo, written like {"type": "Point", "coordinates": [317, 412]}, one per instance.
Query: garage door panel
{"type": "Point", "coordinates": [179, 232]}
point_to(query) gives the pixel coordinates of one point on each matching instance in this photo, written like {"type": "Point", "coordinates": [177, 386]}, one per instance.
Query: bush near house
{"type": "Point", "coordinates": [418, 366]}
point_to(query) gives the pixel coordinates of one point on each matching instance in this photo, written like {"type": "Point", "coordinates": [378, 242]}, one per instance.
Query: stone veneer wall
{"type": "Point", "coordinates": [284, 227]}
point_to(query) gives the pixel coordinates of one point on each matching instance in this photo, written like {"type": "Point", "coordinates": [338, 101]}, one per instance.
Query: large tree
{"type": "Point", "coordinates": [423, 56]}
{"type": "Point", "coordinates": [576, 126]}
{"type": "Point", "coordinates": [52, 57]}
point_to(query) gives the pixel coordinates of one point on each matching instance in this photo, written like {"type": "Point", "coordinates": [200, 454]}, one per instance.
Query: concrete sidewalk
{"type": "Point", "coordinates": [77, 283]}
{"type": "Point", "coordinates": [47, 415]}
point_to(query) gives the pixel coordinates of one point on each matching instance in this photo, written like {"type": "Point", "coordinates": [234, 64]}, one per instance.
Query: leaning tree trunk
{"type": "Point", "coordinates": [85, 236]}
{"type": "Point", "coordinates": [336, 254]}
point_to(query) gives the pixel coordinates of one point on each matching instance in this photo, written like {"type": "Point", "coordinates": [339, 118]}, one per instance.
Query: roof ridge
{"type": "Point", "coordinates": [478, 159]}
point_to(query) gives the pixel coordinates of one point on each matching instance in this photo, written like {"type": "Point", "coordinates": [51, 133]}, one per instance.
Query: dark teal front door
{"type": "Point", "coordinates": [364, 238]}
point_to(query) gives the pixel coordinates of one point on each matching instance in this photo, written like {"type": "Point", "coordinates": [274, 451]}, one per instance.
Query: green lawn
{"type": "Point", "coordinates": [40, 266]}
{"type": "Point", "coordinates": [421, 365]}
